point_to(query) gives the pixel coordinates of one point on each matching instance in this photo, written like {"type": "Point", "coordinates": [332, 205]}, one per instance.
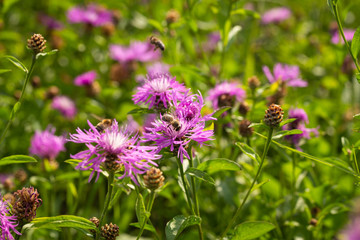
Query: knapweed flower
{"type": "Point", "coordinates": [275, 15]}
{"type": "Point", "coordinates": [158, 68]}
{"type": "Point", "coordinates": [114, 146]}
{"type": "Point", "coordinates": [212, 41]}
{"type": "Point", "coordinates": [65, 106]}
{"type": "Point", "coordinates": [7, 221]}
{"type": "Point", "coordinates": [225, 94]}
{"type": "Point", "coordinates": [85, 79]}
{"type": "Point", "coordinates": [50, 22]}
{"type": "Point", "coordinates": [137, 51]}
{"type": "Point", "coordinates": [348, 33]}
{"type": "Point", "coordinates": [27, 201]}
{"type": "Point", "coordinates": [299, 123]}
{"type": "Point", "coordinates": [285, 73]}
{"type": "Point", "coordinates": [177, 129]}
{"type": "Point", "coordinates": [46, 144]}
{"type": "Point", "coordinates": [157, 91]}
{"type": "Point", "coordinates": [92, 14]}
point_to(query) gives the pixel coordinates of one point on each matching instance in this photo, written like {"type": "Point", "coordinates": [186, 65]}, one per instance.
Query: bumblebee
{"type": "Point", "coordinates": [172, 121]}
{"type": "Point", "coordinates": [104, 124]}
{"type": "Point", "coordinates": [157, 42]}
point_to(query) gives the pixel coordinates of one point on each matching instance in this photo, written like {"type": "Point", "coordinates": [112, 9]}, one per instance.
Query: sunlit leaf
{"type": "Point", "coordinates": [281, 134]}
{"type": "Point", "coordinates": [15, 159]}
{"type": "Point", "coordinates": [43, 54]}
{"type": "Point", "coordinates": [355, 43]}
{"type": "Point", "coordinates": [176, 225]}
{"type": "Point", "coordinates": [58, 222]}
{"type": "Point", "coordinates": [248, 151]}
{"type": "Point", "coordinates": [251, 230]}
{"type": "Point", "coordinates": [5, 71]}
{"type": "Point", "coordinates": [16, 62]}
{"type": "Point", "coordinates": [286, 121]}
{"type": "Point", "coordinates": [203, 176]}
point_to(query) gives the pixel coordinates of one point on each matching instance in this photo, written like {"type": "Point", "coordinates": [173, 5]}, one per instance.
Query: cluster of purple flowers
{"type": "Point", "coordinates": [289, 74]}
{"type": "Point", "coordinates": [7, 221]}
{"type": "Point", "coordinates": [225, 93]}
{"type": "Point", "coordinates": [92, 14]}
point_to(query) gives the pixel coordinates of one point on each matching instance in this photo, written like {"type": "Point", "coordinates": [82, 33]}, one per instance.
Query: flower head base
{"type": "Point", "coordinates": [285, 73]}
{"type": "Point", "coordinates": [225, 94]}
{"type": "Point", "coordinates": [92, 14]}
{"type": "Point", "coordinates": [65, 106]}
{"type": "Point", "coordinates": [26, 203]}
{"type": "Point", "coordinates": [153, 178]}
{"type": "Point", "coordinates": [115, 148]}
{"type": "Point", "coordinates": [7, 221]}
{"type": "Point", "coordinates": [275, 15]}
{"type": "Point", "coordinates": [85, 79]}
{"type": "Point", "coordinates": [137, 51]}
{"type": "Point", "coordinates": [158, 90]}
{"type": "Point", "coordinates": [273, 116]}
{"type": "Point", "coordinates": [36, 43]}
{"type": "Point", "coordinates": [46, 144]}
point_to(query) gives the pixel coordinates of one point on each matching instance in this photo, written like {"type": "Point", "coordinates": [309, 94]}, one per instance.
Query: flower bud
{"type": "Point", "coordinates": [153, 178]}
{"type": "Point", "coordinates": [273, 115]}
{"type": "Point", "coordinates": [21, 175]}
{"type": "Point", "coordinates": [226, 100]}
{"type": "Point", "coordinates": [96, 221]}
{"type": "Point", "coordinates": [36, 43]}
{"type": "Point", "coordinates": [110, 231]}
{"type": "Point", "coordinates": [244, 129]}
{"type": "Point", "coordinates": [26, 203]}
{"type": "Point", "coordinates": [172, 16]}
{"type": "Point", "coordinates": [52, 92]}
{"type": "Point", "coordinates": [244, 108]}
{"type": "Point", "coordinates": [253, 82]}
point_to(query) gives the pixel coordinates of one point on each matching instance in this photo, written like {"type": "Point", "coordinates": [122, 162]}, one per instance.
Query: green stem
{"type": "Point", "coordinates": [355, 161]}
{"type": "Point", "coordinates": [266, 149]}
{"type": "Point", "coordinates": [148, 209]}
{"type": "Point", "coordinates": [182, 175]}
{"type": "Point", "coordinates": [336, 13]}
{"type": "Point", "coordinates": [13, 111]}
{"type": "Point", "coordinates": [107, 202]}
{"type": "Point", "coordinates": [293, 184]}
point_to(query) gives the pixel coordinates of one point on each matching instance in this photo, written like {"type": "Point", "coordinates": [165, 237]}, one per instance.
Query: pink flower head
{"type": "Point", "coordinates": [157, 91]}
{"type": "Point", "coordinates": [285, 73]}
{"type": "Point", "coordinates": [7, 221]}
{"type": "Point", "coordinates": [85, 79]}
{"type": "Point", "coordinates": [46, 144]}
{"type": "Point", "coordinates": [275, 15]}
{"type": "Point", "coordinates": [348, 33]}
{"type": "Point", "coordinates": [225, 88]}
{"type": "Point", "coordinates": [92, 14]}
{"type": "Point", "coordinates": [50, 22]}
{"type": "Point", "coordinates": [137, 51]}
{"type": "Point", "coordinates": [115, 142]}
{"type": "Point", "coordinates": [158, 68]}
{"type": "Point", "coordinates": [65, 106]}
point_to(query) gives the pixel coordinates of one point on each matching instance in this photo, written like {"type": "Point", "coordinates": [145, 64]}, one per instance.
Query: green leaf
{"type": "Point", "coordinates": [15, 109]}
{"type": "Point", "coordinates": [176, 225]}
{"type": "Point", "coordinates": [245, 12]}
{"type": "Point", "coordinates": [5, 71]}
{"type": "Point", "coordinates": [248, 151]}
{"type": "Point", "coordinates": [156, 24]}
{"type": "Point", "coordinates": [52, 52]}
{"type": "Point", "coordinates": [286, 121]}
{"type": "Point", "coordinates": [235, 30]}
{"type": "Point", "coordinates": [62, 221]}
{"type": "Point", "coordinates": [141, 110]}
{"type": "Point", "coordinates": [141, 212]}
{"type": "Point", "coordinates": [16, 62]}
{"type": "Point", "coordinates": [147, 227]}
{"type": "Point", "coordinates": [355, 43]}
{"type": "Point", "coordinates": [203, 176]}
{"type": "Point", "coordinates": [219, 164]}
{"type": "Point", "coordinates": [258, 125]}
{"type": "Point", "coordinates": [216, 115]}
{"type": "Point", "coordinates": [14, 159]}
{"type": "Point", "coordinates": [357, 75]}
{"type": "Point", "coordinates": [260, 184]}
{"type": "Point", "coordinates": [73, 162]}
{"type": "Point", "coordinates": [7, 4]}
{"type": "Point", "coordinates": [281, 134]}
{"type": "Point", "coordinates": [251, 230]}
{"type": "Point", "coordinates": [357, 116]}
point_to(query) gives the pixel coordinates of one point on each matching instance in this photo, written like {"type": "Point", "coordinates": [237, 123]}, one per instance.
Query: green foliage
{"type": "Point", "coordinates": [176, 225]}
{"type": "Point", "coordinates": [251, 230]}
{"type": "Point", "coordinates": [16, 159]}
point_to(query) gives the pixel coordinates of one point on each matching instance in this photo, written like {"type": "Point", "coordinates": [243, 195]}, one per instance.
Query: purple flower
{"type": "Point", "coordinates": [50, 22]}
{"type": "Point", "coordinates": [85, 79]}
{"type": "Point", "coordinates": [158, 90]}
{"type": "Point", "coordinates": [191, 127]}
{"type": "Point", "coordinates": [7, 221]}
{"type": "Point", "coordinates": [213, 39]}
{"type": "Point", "coordinates": [64, 105]}
{"type": "Point", "coordinates": [285, 73]}
{"type": "Point", "coordinates": [225, 93]}
{"type": "Point", "coordinates": [115, 144]}
{"type": "Point", "coordinates": [299, 123]}
{"type": "Point", "coordinates": [92, 14]}
{"type": "Point", "coordinates": [275, 15]}
{"type": "Point", "coordinates": [137, 51]}
{"type": "Point", "coordinates": [46, 144]}
{"type": "Point", "coordinates": [157, 68]}
{"type": "Point", "coordinates": [348, 33]}
{"type": "Point", "coordinates": [132, 125]}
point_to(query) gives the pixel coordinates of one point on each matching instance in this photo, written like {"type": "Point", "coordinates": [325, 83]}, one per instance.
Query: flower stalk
{"type": "Point", "coordinates": [148, 209]}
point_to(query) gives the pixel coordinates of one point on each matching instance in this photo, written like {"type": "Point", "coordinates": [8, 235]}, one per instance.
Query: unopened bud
{"type": "Point", "coordinates": [110, 231]}
{"type": "Point", "coordinates": [153, 178]}
{"type": "Point", "coordinates": [273, 115]}
{"type": "Point", "coordinates": [244, 129]}
{"type": "Point", "coordinates": [36, 43]}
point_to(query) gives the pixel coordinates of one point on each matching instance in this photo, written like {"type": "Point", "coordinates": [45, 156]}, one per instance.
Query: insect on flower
{"type": "Point", "coordinates": [158, 43]}
{"type": "Point", "coordinates": [172, 121]}
{"type": "Point", "coordinates": [104, 124]}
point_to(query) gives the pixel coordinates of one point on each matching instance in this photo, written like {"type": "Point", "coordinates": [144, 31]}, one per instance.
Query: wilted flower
{"type": "Point", "coordinates": [225, 94]}
{"type": "Point", "coordinates": [49, 22]}
{"type": "Point", "coordinates": [299, 123]}
{"type": "Point", "coordinates": [114, 145]}
{"type": "Point", "coordinates": [137, 51]}
{"type": "Point", "coordinates": [46, 144]}
{"type": "Point", "coordinates": [285, 73]}
{"type": "Point", "coordinates": [85, 79]}
{"type": "Point", "coordinates": [92, 14]}
{"type": "Point", "coordinates": [348, 33]}
{"type": "Point", "coordinates": [275, 15]}
{"type": "Point", "coordinates": [7, 221]}
{"type": "Point", "coordinates": [65, 106]}
{"type": "Point", "coordinates": [26, 203]}
{"type": "Point", "coordinates": [157, 91]}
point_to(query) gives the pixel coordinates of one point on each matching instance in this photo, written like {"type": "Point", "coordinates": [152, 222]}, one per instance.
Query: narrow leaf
{"type": "Point", "coordinates": [16, 62]}
{"type": "Point", "coordinates": [62, 221]}
{"type": "Point", "coordinates": [203, 176]}
{"type": "Point", "coordinates": [176, 225]}
{"type": "Point", "coordinates": [281, 134]}
{"type": "Point", "coordinates": [52, 52]}
{"type": "Point", "coordinates": [286, 121]}
{"type": "Point", "coordinates": [248, 151]}
{"type": "Point", "coordinates": [219, 164]}
{"type": "Point", "coordinates": [5, 71]}
{"type": "Point", "coordinates": [147, 227]}
{"type": "Point", "coordinates": [14, 159]}
{"type": "Point", "coordinates": [355, 43]}
{"type": "Point", "coordinates": [252, 230]}
{"type": "Point", "coordinates": [141, 212]}
{"type": "Point", "coordinates": [15, 109]}
{"type": "Point", "coordinates": [260, 184]}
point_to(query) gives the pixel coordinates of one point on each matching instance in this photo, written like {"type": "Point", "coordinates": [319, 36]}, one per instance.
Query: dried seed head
{"type": "Point", "coordinates": [313, 222]}
{"type": "Point", "coordinates": [253, 82]}
{"type": "Point", "coordinates": [172, 16]}
{"type": "Point", "coordinates": [96, 221]}
{"type": "Point", "coordinates": [110, 231]}
{"type": "Point", "coordinates": [244, 129]}
{"type": "Point", "coordinates": [35, 81]}
{"type": "Point", "coordinates": [36, 43]}
{"type": "Point", "coordinates": [9, 197]}
{"type": "Point", "coordinates": [52, 92]}
{"type": "Point", "coordinates": [93, 89]}
{"type": "Point", "coordinates": [26, 203]}
{"type": "Point", "coordinates": [226, 100]}
{"type": "Point", "coordinates": [153, 178]}
{"type": "Point", "coordinates": [111, 163]}
{"type": "Point", "coordinates": [244, 108]}
{"type": "Point", "coordinates": [9, 184]}
{"type": "Point", "coordinates": [21, 175]}
{"type": "Point", "coordinates": [273, 115]}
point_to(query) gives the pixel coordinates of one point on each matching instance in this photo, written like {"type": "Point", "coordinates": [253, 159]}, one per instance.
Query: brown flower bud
{"type": "Point", "coordinates": [111, 163]}
{"type": "Point", "coordinates": [225, 100]}
{"type": "Point", "coordinates": [244, 129]}
{"type": "Point", "coordinates": [244, 108]}
{"type": "Point", "coordinates": [108, 29]}
{"type": "Point", "coordinates": [153, 178]}
{"type": "Point", "coordinates": [21, 175]}
{"type": "Point", "coordinates": [93, 89]}
{"type": "Point", "coordinates": [26, 203]}
{"type": "Point", "coordinates": [52, 92]}
{"type": "Point", "coordinates": [172, 16]}
{"type": "Point", "coordinates": [96, 221]}
{"type": "Point", "coordinates": [253, 82]}
{"type": "Point", "coordinates": [9, 197]}
{"type": "Point", "coordinates": [35, 81]}
{"type": "Point", "coordinates": [9, 184]}
{"type": "Point", "coordinates": [36, 43]}
{"type": "Point", "coordinates": [110, 231]}
{"type": "Point", "coordinates": [273, 115]}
